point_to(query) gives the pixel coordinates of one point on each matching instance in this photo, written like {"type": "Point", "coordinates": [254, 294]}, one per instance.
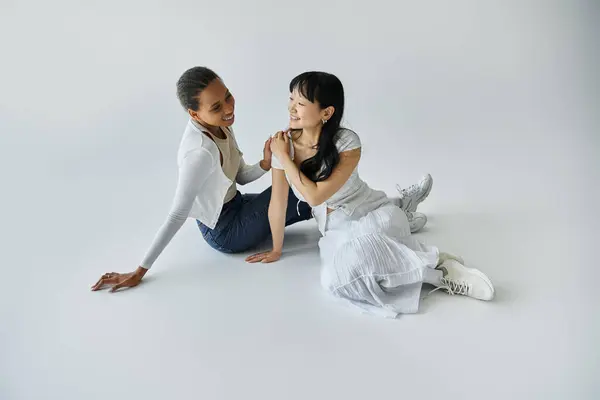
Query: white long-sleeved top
{"type": "Point", "coordinates": [201, 187]}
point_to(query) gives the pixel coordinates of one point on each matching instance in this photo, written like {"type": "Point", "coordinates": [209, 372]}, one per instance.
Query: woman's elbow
{"type": "Point", "coordinates": [314, 200]}
{"type": "Point", "coordinates": [242, 179]}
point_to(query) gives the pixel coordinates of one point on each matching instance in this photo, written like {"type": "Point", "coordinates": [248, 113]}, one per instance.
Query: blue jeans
{"type": "Point", "coordinates": [244, 221]}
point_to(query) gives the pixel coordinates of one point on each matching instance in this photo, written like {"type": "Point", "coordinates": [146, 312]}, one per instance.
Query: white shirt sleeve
{"type": "Point", "coordinates": [347, 140]}
{"type": "Point", "coordinates": [195, 167]}
{"type": "Point", "coordinates": [248, 173]}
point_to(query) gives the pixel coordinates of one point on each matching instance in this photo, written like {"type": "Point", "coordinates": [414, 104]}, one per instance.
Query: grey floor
{"type": "Point", "coordinates": [90, 128]}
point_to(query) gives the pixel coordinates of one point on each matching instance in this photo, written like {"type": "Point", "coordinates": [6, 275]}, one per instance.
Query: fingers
{"type": "Point", "coordinates": [255, 258]}
{"type": "Point", "coordinates": [266, 257]}
{"type": "Point", "coordinates": [106, 279]}
{"type": "Point", "coordinates": [268, 144]}
{"type": "Point", "coordinates": [258, 257]}
{"type": "Point", "coordinates": [120, 285]}
{"type": "Point", "coordinates": [103, 280]}
{"type": "Point", "coordinates": [271, 257]}
{"type": "Point", "coordinates": [98, 284]}
{"type": "Point", "coordinates": [129, 282]}
{"type": "Point", "coordinates": [117, 281]}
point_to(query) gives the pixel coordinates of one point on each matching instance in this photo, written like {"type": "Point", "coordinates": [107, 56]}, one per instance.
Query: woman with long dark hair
{"type": "Point", "coordinates": [368, 256]}
{"type": "Point", "coordinates": [211, 166]}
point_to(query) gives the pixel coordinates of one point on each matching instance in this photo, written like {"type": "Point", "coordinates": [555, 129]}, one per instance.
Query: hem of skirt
{"type": "Point", "coordinates": [388, 311]}
{"type": "Point", "coordinates": [413, 281]}
{"type": "Point", "coordinates": [416, 276]}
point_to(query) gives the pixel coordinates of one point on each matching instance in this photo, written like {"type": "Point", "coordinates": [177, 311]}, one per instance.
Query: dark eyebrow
{"type": "Point", "coordinates": [216, 103]}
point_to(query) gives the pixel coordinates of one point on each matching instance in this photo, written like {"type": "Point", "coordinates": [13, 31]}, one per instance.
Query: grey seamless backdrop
{"type": "Point", "coordinates": [497, 99]}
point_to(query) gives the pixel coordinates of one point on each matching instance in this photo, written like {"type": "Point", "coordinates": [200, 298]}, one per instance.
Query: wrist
{"type": "Point", "coordinates": [265, 165]}
{"type": "Point", "coordinates": [141, 271]}
{"type": "Point", "coordinates": [283, 157]}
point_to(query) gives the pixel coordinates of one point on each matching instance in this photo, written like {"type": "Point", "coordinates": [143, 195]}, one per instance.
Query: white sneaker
{"type": "Point", "coordinates": [464, 281]}
{"type": "Point", "coordinates": [411, 196]}
{"type": "Point", "coordinates": [416, 221]}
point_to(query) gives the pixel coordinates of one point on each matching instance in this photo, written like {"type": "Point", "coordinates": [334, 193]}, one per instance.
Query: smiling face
{"type": "Point", "coordinates": [216, 106]}
{"type": "Point", "coordinates": [317, 107]}
{"type": "Point", "coordinates": [305, 114]}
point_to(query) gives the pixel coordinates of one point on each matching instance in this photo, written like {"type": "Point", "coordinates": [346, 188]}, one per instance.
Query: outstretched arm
{"type": "Point", "coordinates": [195, 168]}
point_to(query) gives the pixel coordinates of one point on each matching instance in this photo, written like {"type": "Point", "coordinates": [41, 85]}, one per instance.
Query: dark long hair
{"type": "Point", "coordinates": [327, 90]}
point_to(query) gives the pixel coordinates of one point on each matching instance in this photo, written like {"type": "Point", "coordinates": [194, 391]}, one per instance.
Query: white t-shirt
{"type": "Point", "coordinates": [350, 195]}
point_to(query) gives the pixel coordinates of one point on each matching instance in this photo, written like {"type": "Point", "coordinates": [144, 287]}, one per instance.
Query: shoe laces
{"type": "Point", "coordinates": [409, 191]}
{"type": "Point", "coordinates": [453, 287]}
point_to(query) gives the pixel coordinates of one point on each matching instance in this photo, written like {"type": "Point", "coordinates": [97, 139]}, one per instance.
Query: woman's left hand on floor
{"type": "Point", "coordinates": [265, 257]}
{"type": "Point", "coordinates": [118, 281]}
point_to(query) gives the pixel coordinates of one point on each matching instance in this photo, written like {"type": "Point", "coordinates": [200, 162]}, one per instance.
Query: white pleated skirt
{"type": "Point", "coordinates": [370, 260]}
